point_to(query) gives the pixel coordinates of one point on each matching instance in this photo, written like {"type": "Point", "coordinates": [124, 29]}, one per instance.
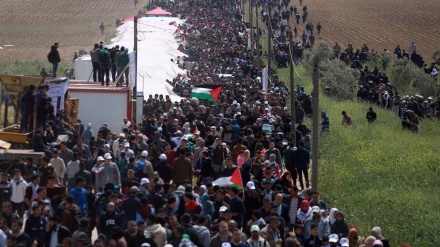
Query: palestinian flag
{"type": "Point", "coordinates": [234, 180]}
{"type": "Point", "coordinates": [206, 92]}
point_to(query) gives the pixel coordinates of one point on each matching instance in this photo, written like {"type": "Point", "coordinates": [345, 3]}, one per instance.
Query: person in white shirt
{"type": "Point", "coordinates": [72, 169]}
{"type": "Point", "coordinates": [19, 186]}
{"type": "Point", "coordinates": [59, 166]}
{"type": "Point", "coordinates": [126, 124]}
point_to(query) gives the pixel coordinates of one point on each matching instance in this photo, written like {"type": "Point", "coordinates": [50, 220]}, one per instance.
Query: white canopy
{"type": "Point", "coordinates": [157, 45]}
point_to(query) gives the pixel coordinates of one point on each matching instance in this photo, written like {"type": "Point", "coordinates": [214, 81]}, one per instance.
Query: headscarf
{"type": "Point", "coordinates": [369, 241]}
{"type": "Point", "coordinates": [378, 243]}
{"type": "Point", "coordinates": [208, 206]}
{"type": "Point", "coordinates": [353, 237]}
{"type": "Point", "coordinates": [377, 232]}
{"type": "Point", "coordinates": [305, 202]}
{"type": "Point", "coordinates": [321, 213]}
{"type": "Point", "coordinates": [332, 218]}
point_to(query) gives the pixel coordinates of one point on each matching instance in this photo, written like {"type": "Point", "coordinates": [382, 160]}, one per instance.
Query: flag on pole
{"type": "Point", "coordinates": [206, 93]}
{"type": "Point", "coordinates": [234, 180]}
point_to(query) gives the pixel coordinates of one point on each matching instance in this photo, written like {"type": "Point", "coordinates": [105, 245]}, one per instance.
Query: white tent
{"type": "Point", "coordinates": [157, 45]}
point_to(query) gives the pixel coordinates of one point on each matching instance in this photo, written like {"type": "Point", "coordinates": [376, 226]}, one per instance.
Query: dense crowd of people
{"type": "Point", "coordinates": [153, 183]}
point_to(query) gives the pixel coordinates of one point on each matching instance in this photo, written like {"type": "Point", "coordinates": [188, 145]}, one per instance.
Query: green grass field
{"type": "Point", "coordinates": [379, 175]}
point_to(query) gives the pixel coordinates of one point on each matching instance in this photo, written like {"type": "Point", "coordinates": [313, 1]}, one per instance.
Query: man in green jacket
{"type": "Point", "coordinates": [104, 64]}
{"type": "Point", "coordinates": [123, 60]}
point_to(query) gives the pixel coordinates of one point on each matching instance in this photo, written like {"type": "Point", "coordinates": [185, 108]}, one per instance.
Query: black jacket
{"type": "Point", "coordinates": [35, 228]}
{"type": "Point", "coordinates": [164, 170]}
{"type": "Point", "coordinates": [63, 232]}
{"type": "Point", "coordinates": [54, 55]}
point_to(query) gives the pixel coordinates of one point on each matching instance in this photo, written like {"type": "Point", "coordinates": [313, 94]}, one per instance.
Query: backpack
{"type": "Point", "coordinates": [50, 57]}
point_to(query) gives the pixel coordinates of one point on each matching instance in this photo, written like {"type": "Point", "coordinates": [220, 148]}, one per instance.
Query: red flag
{"type": "Point", "coordinates": [236, 179]}
{"type": "Point", "coordinates": [250, 80]}
{"type": "Point", "coordinates": [175, 24]}
{"type": "Point", "coordinates": [195, 130]}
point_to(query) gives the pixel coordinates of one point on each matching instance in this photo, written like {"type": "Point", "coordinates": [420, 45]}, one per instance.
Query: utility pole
{"type": "Point", "coordinates": [134, 90]}
{"type": "Point", "coordinates": [250, 24]}
{"type": "Point", "coordinates": [292, 88]}
{"type": "Point", "coordinates": [315, 132]}
{"type": "Point", "coordinates": [269, 40]}
{"type": "Point", "coordinates": [258, 36]}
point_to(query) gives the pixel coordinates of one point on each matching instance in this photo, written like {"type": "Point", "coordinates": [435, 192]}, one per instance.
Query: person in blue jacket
{"type": "Point", "coordinates": [325, 123]}
{"type": "Point", "coordinates": [80, 195]}
{"type": "Point", "coordinates": [235, 127]}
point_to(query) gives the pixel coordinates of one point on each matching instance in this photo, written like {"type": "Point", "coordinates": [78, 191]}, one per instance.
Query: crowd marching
{"type": "Point", "coordinates": [161, 182]}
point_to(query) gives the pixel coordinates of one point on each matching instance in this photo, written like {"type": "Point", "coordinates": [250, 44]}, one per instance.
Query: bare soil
{"type": "Point", "coordinates": [33, 26]}
{"type": "Point", "coordinates": [381, 24]}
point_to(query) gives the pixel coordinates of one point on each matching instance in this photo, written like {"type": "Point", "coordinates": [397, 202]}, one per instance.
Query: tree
{"type": "Point", "coordinates": [338, 79]}
{"type": "Point", "coordinates": [335, 75]}
{"type": "Point", "coordinates": [436, 56]}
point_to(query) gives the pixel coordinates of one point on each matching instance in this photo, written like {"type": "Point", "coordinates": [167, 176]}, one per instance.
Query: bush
{"type": "Point", "coordinates": [436, 56]}
{"type": "Point", "coordinates": [410, 79]}
{"type": "Point", "coordinates": [312, 58]}
{"type": "Point", "coordinates": [335, 74]}
{"type": "Point", "coordinates": [339, 78]}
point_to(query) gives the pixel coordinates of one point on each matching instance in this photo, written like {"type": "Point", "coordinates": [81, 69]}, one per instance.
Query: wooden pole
{"type": "Point", "coordinates": [292, 88]}
{"type": "Point", "coordinates": [315, 136]}
{"type": "Point", "coordinates": [269, 40]}
{"type": "Point", "coordinates": [5, 120]}
{"type": "Point", "coordinates": [134, 91]}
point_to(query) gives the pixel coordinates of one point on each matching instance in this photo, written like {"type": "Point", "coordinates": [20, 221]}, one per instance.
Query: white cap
{"type": "Point", "coordinates": [250, 185]}
{"type": "Point", "coordinates": [122, 135]}
{"type": "Point", "coordinates": [106, 146]}
{"type": "Point", "coordinates": [333, 238]}
{"type": "Point", "coordinates": [315, 209]}
{"type": "Point", "coordinates": [106, 47]}
{"type": "Point", "coordinates": [144, 154]}
{"type": "Point", "coordinates": [226, 244]}
{"type": "Point", "coordinates": [203, 187]}
{"type": "Point", "coordinates": [223, 208]}
{"type": "Point", "coordinates": [107, 156]}
{"type": "Point", "coordinates": [145, 245]}
{"type": "Point", "coordinates": [100, 158]}
{"type": "Point", "coordinates": [144, 181]}
{"type": "Point", "coordinates": [127, 145]}
{"type": "Point", "coordinates": [159, 129]}
{"type": "Point", "coordinates": [163, 157]}
{"type": "Point", "coordinates": [197, 132]}
{"type": "Point", "coordinates": [344, 242]}
{"type": "Point", "coordinates": [255, 228]}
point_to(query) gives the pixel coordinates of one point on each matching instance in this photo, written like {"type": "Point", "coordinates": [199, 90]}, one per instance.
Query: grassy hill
{"type": "Point", "coordinates": [379, 175]}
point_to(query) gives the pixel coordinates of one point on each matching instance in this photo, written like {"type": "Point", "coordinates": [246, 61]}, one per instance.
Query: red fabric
{"type": "Point", "coordinates": [158, 11]}
{"type": "Point", "coordinates": [190, 206]}
{"type": "Point", "coordinates": [305, 202]}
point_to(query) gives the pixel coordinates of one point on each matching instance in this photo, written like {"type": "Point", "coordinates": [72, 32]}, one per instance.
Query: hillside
{"type": "Point", "coordinates": [379, 175]}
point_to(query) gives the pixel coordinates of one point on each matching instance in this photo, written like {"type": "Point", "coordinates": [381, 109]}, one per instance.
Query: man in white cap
{"type": "Point", "coordinates": [333, 239]}
{"type": "Point", "coordinates": [148, 167]}
{"type": "Point", "coordinates": [251, 200]}
{"type": "Point", "coordinates": [145, 182]}
{"type": "Point", "coordinates": [128, 152]}
{"type": "Point", "coordinates": [255, 239]}
{"type": "Point", "coordinates": [115, 144]}
{"type": "Point", "coordinates": [163, 169]}
{"type": "Point", "coordinates": [323, 225]}
{"type": "Point", "coordinates": [108, 172]}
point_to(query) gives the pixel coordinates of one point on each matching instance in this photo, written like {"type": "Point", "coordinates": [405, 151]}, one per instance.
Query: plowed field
{"type": "Point", "coordinates": [33, 26]}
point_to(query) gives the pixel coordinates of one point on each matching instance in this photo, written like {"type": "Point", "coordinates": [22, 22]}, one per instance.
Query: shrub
{"type": "Point", "coordinates": [409, 78]}
{"type": "Point", "coordinates": [339, 78]}
{"type": "Point", "coordinates": [436, 56]}
{"type": "Point", "coordinates": [320, 52]}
